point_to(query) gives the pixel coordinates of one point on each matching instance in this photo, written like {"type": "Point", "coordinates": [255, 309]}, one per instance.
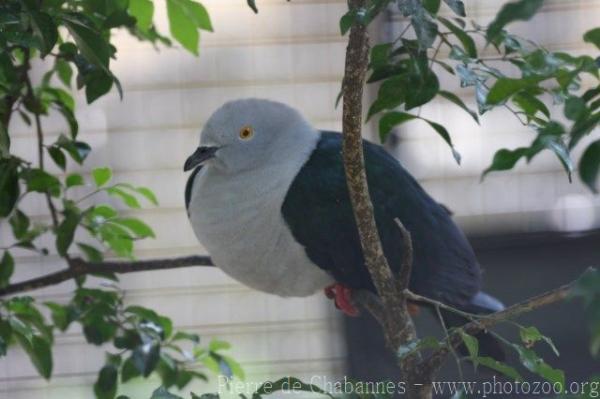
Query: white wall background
{"type": "Point", "coordinates": [291, 52]}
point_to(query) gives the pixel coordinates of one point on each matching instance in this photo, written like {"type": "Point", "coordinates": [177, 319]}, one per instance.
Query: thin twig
{"type": "Point", "coordinates": [79, 267]}
{"type": "Point", "coordinates": [435, 361]}
{"type": "Point", "coordinates": [403, 279]}
{"type": "Point", "coordinates": [452, 349]}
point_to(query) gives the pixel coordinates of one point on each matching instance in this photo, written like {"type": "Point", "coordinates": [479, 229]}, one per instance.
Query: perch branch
{"type": "Point", "coordinates": [437, 358]}
{"type": "Point", "coordinates": [79, 267]}
{"type": "Point", "coordinates": [356, 63]}
{"type": "Point", "coordinates": [396, 322]}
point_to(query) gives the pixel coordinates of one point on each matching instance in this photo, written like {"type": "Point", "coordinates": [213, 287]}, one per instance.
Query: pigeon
{"type": "Point", "coordinates": [268, 200]}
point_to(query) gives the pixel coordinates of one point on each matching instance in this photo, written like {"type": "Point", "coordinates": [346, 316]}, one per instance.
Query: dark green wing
{"type": "Point", "coordinates": [318, 211]}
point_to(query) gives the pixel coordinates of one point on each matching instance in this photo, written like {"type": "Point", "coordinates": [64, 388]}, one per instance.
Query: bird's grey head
{"type": "Point", "coordinates": [246, 134]}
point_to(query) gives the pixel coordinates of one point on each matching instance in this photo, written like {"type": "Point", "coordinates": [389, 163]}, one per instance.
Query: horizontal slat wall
{"type": "Point", "coordinates": [534, 197]}
{"type": "Point", "coordinates": [291, 52]}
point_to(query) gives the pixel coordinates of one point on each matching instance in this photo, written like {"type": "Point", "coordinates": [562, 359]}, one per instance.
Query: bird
{"type": "Point", "coordinates": [268, 200]}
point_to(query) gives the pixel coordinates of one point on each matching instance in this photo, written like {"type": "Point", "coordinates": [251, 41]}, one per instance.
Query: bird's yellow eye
{"type": "Point", "coordinates": [246, 133]}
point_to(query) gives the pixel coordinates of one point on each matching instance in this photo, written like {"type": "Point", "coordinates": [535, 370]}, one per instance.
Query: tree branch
{"type": "Point", "coordinates": [357, 54]}
{"type": "Point", "coordinates": [437, 358]}
{"type": "Point", "coordinates": [40, 137]}
{"type": "Point", "coordinates": [396, 322]}
{"type": "Point", "coordinates": [79, 267]}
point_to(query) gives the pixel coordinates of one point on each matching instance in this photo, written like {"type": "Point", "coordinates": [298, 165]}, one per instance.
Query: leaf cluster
{"type": "Point", "coordinates": [522, 77]}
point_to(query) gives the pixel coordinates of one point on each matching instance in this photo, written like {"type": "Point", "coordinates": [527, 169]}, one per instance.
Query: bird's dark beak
{"type": "Point", "coordinates": [200, 155]}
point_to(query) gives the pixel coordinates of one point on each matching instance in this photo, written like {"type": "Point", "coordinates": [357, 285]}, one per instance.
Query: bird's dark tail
{"type": "Point", "coordinates": [481, 303]}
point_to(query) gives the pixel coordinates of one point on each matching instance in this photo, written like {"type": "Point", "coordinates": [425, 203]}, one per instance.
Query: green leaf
{"type": "Point", "coordinates": [92, 254]}
{"type": "Point", "coordinates": [425, 29]}
{"type": "Point", "coordinates": [66, 231]}
{"type": "Point", "coordinates": [148, 194]}
{"type": "Point", "coordinates": [97, 84]}
{"type": "Point", "coordinates": [78, 150]}
{"type": "Point", "coordinates": [346, 22]}
{"type": "Point", "coordinates": [235, 367]}
{"type": "Point", "coordinates": [530, 104]}
{"type": "Point", "coordinates": [150, 315]}
{"type": "Point", "coordinates": [127, 198]}
{"type": "Point", "coordinates": [61, 315]}
{"type": "Point", "coordinates": [90, 42]}
{"type": "Point", "coordinates": [136, 226]}
{"type": "Point", "coordinates": [145, 357]}
{"type": "Point", "coordinates": [198, 14]}
{"type": "Point", "coordinates": [472, 345]}
{"type": "Point", "coordinates": [500, 367]}
{"type": "Point", "coordinates": [252, 5]}
{"type": "Point", "coordinates": [211, 364]}
{"type": "Point", "coordinates": [505, 159]}
{"type": "Point", "coordinates": [423, 87]}
{"type": "Point", "coordinates": [456, 100]}
{"type": "Point", "coordinates": [7, 267]}
{"type": "Point", "coordinates": [589, 165]}
{"type": "Point", "coordinates": [417, 345]}
{"type": "Point", "coordinates": [441, 130]}
{"type": "Point", "coordinates": [22, 329]}
{"type": "Point", "coordinates": [101, 176]}
{"type": "Point", "coordinates": [390, 120]}
{"type": "Point", "coordinates": [41, 181]}
{"type": "Point", "coordinates": [504, 88]}
{"type": "Point", "coordinates": [457, 6]}
{"type": "Point", "coordinates": [521, 10]}
{"type": "Point", "coordinates": [574, 108]}
{"type": "Point", "coordinates": [64, 70]}
{"type": "Point", "coordinates": [288, 384]}
{"type": "Point", "coordinates": [182, 27]}
{"type": "Point", "coordinates": [466, 40]}
{"type": "Point", "coordinates": [106, 384]}
{"type": "Point", "coordinates": [39, 353]}
{"type": "Point", "coordinates": [44, 30]}
{"type": "Point", "coordinates": [97, 330]}
{"type": "Point", "coordinates": [535, 364]}
{"type": "Point", "coordinates": [162, 393]}
{"type": "Point", "coordinates": [216, 345]}
{"type": "Point", "coordinates": [556, 145]}
{"type": "Point", "coordinates": [142, 11]}
{"type": "Point", "coordinates": [391, 94]}
{"type": "Point", "coordinates": [182, 335]}
{"type": "Point", "coordinates": [102, 212]}
{"type": "Point", "coordinates": [4, 142]}
{"type": "Point", "coordinates": [74, 179]}
{"type": "Point", "coordinates": [592, 36]}
{"type": "Point", "coordinates": [432, 6]}
{"type": "Point", "coordinates": [58, 157]}
{"type": "Point", "coordinates": [583, 127]}
{"type": "Point", "coordinates": [129, 371]}
{"type": "Point", "coordinates": [9, 186]}
{"type": "Point", "coordinates": [531, 335]}
{"type": "Point", "coordinates": [19, 223]}
{"type": "Point", "coordinates": [587, 286]}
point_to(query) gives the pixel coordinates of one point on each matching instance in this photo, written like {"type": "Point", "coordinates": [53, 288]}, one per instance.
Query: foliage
{"type": "Point", "coordinates": [73, 38]}
{"type": "Point", "coordinates": [522, 78]}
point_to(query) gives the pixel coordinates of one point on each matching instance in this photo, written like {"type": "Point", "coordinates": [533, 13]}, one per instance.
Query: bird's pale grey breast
{"type": "Point", "coordinates": [237, 217]}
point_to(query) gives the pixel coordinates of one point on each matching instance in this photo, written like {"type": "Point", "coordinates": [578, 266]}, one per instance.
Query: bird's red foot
{"type": "Point", "coordinates": [342, 297]}
{"type": "Point", "coordinates": [413, 309]}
